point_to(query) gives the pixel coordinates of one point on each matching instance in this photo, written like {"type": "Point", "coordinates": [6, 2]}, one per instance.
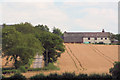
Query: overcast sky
{"type": "Point", "coordinates": [68, 15]}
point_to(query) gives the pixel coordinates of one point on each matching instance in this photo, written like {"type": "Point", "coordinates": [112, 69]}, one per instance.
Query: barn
{"type": "Point", "coordinates": [87, 37]}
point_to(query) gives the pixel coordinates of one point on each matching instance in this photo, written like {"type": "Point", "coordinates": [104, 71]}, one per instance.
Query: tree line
{"type": "Point", "coordinates": [21, 42]}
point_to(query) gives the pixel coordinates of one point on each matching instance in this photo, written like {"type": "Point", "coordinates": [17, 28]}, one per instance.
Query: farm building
{"type": "Point", "coordinates": [87, 37]}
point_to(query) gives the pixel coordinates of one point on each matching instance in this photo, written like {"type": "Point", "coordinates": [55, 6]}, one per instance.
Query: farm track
{"type": "Point", "coordinates": [80, 65]}
{"type": "Point", "coordinates": [72, 59]}
{"type": "Point", "coordinates": [103, 53]}
{"type": "Point", "coordinates": [100, 53]}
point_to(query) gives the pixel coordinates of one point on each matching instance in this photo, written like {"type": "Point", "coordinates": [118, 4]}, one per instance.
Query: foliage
{"type": "Point", "coordinates": [25, 28]}
{"type": "Point", "coordinates": [51, 66]}
{"type": "Point", "coordinates": [67, 75]}
{"type": "Point", "coordinates": [22, 69]}
{"type": "Point", "coordinates": [19, 46]}
{"type": "Point", "coordinates": [43, 28]}
{"type": "Point", "coordinates": [114, 37]}
{"type": "Point", "coordinates": [115, 71]}
{"type": "Point", "coordinates": [53, 46]}
{"type": "Point", "coordinates": [72, 76]}
{"type": "Point", "coordinates": [57, 31]}
{"type": "Point", "coordinates": [9, 71]}
{"type": "Point", "coordinates": [64, 76]}
{"type": "Point", "coordinates": [35, 69]}
{"type": "Point", "coordinates": [21, 42]}
{"type": "Point", "coordinates": [18, 77]}
{"type": "Point", "coordinates": [38, 77]}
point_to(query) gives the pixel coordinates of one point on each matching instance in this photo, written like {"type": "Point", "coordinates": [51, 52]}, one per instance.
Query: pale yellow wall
{"type": "Point", "coordinates": [92, 40]}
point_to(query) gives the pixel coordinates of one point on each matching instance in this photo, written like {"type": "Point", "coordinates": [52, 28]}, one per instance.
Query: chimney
{"type": "Point", "coordinates": [103, 30]}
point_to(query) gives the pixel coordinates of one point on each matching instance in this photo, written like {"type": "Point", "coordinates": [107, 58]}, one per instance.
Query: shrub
{"type": "Point", "coordinates": [51, 66]}
{"type": "Point", "coordinates": [100, 77]}
{"type": "Point", "coordinates": [38, 77]}
{"type": "Point", "coordinates": [17, 77]}
{"type": "Point", "coordinates": [82, 76]}
{"type": "Point", "coordinates": [22, 69]}
{"type": "Point", "coordinates": [115, 71]}
{"type": "Point", "coordinates": [69, 76]}
{"type": "Point", "coordinates": [54, 76]}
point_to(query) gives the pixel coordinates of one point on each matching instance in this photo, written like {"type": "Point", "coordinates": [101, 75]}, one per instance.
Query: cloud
{"type": "Point", "coordinates": [36, 13]}
{"type": "Point", "coordinates": [68, 17]}
{"type": "Point", "coordinates": [96, 19]}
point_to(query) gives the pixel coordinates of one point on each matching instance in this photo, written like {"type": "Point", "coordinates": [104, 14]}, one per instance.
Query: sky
{"type": "Point", "coordinates": [67, 15]}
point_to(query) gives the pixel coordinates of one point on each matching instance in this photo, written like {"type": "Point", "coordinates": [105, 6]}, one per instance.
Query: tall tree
{"type": "Point", "coordinates": [20, 47]}
{"type": "Point", "coordinates": [53, 45]}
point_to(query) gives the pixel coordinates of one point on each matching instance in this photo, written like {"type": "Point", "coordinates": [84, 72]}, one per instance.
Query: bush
{"type": "Point", "coordinates": [3, 78]}
{"type": "Point", "coordinates": [54, 76]}
{"type": "Point", "coordinates": [100, 77]}
{"type": "Point", "coordinates": [38, 77]}
{"type": "Point", "coordinates": [51, 66]}
{"type": "Point", "coordinates": [72, 76]}
{"type": "Point", "coordinates": [82, 76]}
{"type": "Point", "coordinates": [69, 76]}
{"type": "Point", "coordinates": [22, 69]}
{"type": "Point", "coordinates": [17, 77]}
{"type": "Point", "coordinates": [115, 71]}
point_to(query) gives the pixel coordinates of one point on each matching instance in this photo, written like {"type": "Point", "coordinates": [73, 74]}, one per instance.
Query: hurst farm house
{"type": "Point", "coordinates": [87, 37]}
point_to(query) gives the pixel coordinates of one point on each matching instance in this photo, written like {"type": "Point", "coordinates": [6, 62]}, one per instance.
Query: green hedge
{"type": "Point", "coordinates": [64, 76]}
{"type": "Point", "coordinates": [72, 76]}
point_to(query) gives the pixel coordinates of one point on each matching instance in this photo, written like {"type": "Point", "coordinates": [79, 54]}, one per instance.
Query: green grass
{"type": "Point", "coordinates": [50, 66]}
{"type": "Point", "coordinates": [22, 69]}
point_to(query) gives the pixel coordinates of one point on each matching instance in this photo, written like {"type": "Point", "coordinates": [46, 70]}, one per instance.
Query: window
{"type": "Point", "coordinates": [88, 38]}
{"type": "Point", "coordinates": [95, 38]}
{"type": "Point", "coordinates": [105, 38]}
{"type": "Point", "coordinates": [101, 38]}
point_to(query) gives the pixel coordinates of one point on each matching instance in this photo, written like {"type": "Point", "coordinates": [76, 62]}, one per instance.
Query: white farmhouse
{"type": "Point", "coordinates": [87, 37]}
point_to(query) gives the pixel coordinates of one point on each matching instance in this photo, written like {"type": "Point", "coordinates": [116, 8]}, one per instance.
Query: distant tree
{"type": "Point", "coordinates": [115, 37]}
{"type": "Point", "coordinates": [57, 31]}
{"type": "Point", "coordinates": [118, 37]}
{"type": "Point", "coordinates": [43, 27]}
{"type": "Point", "coordinates": [115, 71]}
{"type": "Point", "coordinates": [4, 25]}
{"type": "Point", "coordinates": [19, 47]}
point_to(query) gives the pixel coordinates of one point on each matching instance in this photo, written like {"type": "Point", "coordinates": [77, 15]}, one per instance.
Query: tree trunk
{"type": "Point", "coordinates": [46, 61]}
{"type": "Point", "coordinates": [15, 63]}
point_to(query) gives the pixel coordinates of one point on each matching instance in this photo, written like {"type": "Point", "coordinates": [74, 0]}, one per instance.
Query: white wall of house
{"type": "Point", "coordinates": [92, 40]}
